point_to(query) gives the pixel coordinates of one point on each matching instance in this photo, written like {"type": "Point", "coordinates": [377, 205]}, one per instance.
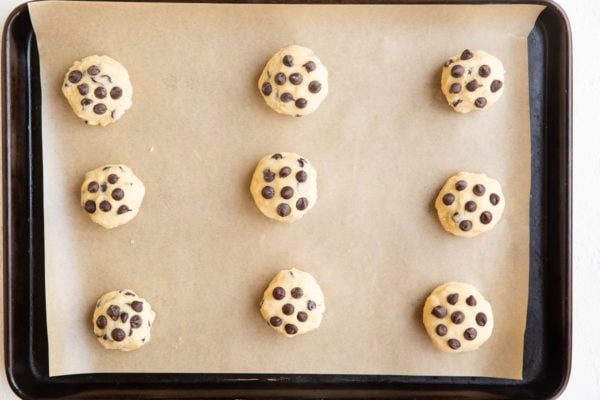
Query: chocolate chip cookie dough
{"type": "Point", "coordinates": [470, 204]}
{"type": "Point", "coordinates": [98, 90]}
{"type": "Point", "coordinates": [457, 318]}
{"type": "Point", "coordinates": [293, 303]}
{"type": "Point", "coordinates": [112, 195]}
{"type": "Point", "coordinates": [472, 81]}
{"type": "Point", "coordinates": [294, 81]}
{"type": "Point", "coordinates": [122, 320]}
{"type": "Point", "coordinates": [284, 186]}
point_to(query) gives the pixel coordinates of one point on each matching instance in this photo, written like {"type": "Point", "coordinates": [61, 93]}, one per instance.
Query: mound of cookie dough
{"type": "Point", "coordinates": [284, 186]}
{"type": "Point", "coordinates": [470, 204]}
{"type": "Point", "coordinates": [122, 320]}
{"type": "Point", "coordinates": [293, 303]}
{"type": "Point", "coordinates": [457, 318]}
{"type": "Point", "coordinates": [294, 81]}
{"type": "Point", "coordinates": [472, 81]}
{"type": "Point", "coordinates": [112, 195]}
{"type": "Point", "coordinates": [98, 90]}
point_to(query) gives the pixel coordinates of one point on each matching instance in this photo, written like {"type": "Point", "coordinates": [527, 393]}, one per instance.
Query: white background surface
{"type": "Point", "coordinates": [584, 383]}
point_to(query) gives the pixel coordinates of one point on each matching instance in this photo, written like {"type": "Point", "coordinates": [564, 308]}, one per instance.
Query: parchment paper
{"type": "Point", "coordinates": [383, 143]}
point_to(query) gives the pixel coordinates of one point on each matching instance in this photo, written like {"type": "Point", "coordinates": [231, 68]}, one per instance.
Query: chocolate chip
{"type": "Point", "coordinates": [439, 311]}
{"type": "Point", "coordinates": [101, 322]}
{"type": "Point", "coordinates": [480, 102]}
{"type": "Point", "coordinates": [479, 189]}
{"type": "Point", "coordinates": [135, 321]}
{"type": "Point", "coordinates": [291, 329]}
{"type": "Point", "coordinates": [275, 321]}
{"type": "Point", "coordinates": [452, 298]}
{"type": "Point", "coordinates": [465, 225]}
{"type": "Point", "coordinates": [103, 187]}
{"type": "Point", "coordinates": [93, 187]}
{"type": "Point", "coordinates": [302, 203]}
{"type": "Point", "coordinates": [301, 176]}
{"type": "Point", "coordinates": [278, 293]}
{"type": "Point", "coordinates": [268, 175]}
{"type": "Point", "coordinates": [441, 330]}
{"type": "Point", "coordinates": [471, 301]}
{"type": "Point", "coordinates": [137, 306]}
{"type": "Point", "coordinates": [116, 93]}
{"type": "Point", "coordinates": [123, 209]}
{"type": "Point", "coordinates": [129, 294]}
{"type": "Point", "coordinates": [295, 78]}
{"type": "Point", "coordinates": [470, 206]}
{"type": "Point", "coordinates": [456, 102]}
{"type": "Point", "coordinates": [311, 305]}
{"type": "Point", "coordinates": [448, 199]}
{"type": "Point", "coordinates": [457, 71]}
{"type": "Point", "coordinates": [301, 162]}
{"type": "Point", "coordinates": [297, 292]}
{"type": "Point", "coordinates": [288, 60]}
{"type": "Point", "coordinates": [118, 194]}
{"type": "Point", "coordinates": [283, 210]}
{"type": "Point", "coordinates": [466, 55]}
{"type": "Point", "coordinates": [131, 333]}
{"type": "Point", "coordinates": [494, 199]}
{"type": "Point", "coordinates": [485, 71]}
{"type": "Point", "coordinates": [105, 206]}
{"type": "Point", "coordinates": [75, 76]}
{"type": "Point", "coordinates": [301, 103]}
{"type": "Point", "coordinates": [458, 317]}
{"type": "Point", "coordinates": [100, 92]}
{"type": "Point", "coordinates": [105, 337]}
{"type": "Point", "coordinates": [481, 319]}
{"type": "Point", "coordinates": [113, 178]}
{"type": "Point", "coordinates": [280, 78]}
{"type": "Point", "coordinates": [461, 185]}
{"type": "Point", "coordinates": [287, 309]}
{"type": "Point", "coordinates": [470, 333]}
{"type": "Point", "coordinates": [302, 316]}
{"type": "Point", "coordinates": [286, 97]}
{"type": "Point", "coordinates": [473, 85]}
{"type": "Point", "coordinates": [314, 87]}
{"type": "Point", "coordinates": [447, 63]}
{"type": "Point", "coordinates": [495, 85]}
{"type": "Point", "coordinates": [113, 311]}
{"type": "Point", "coordinates": [83, 89]}
{"type": "Point", "coordinates": [124, 317]}
{"type": "Point", "coordinates": [266, 88]}
{"type": "Point", "coordinates": [454, 344]}
{"type": "Point", "coordinates": [310, 66]}
{"type": "Point", "coordinates": [455, 88]}
{"type": "Point", "coordinates": [287, 192]}
{"type": "Point", "coordinates": [100, 109]}
{"type": "Point", "coordinates": [285, 171]}
{"type": "Point", "coordinates": [277, 156]}
{"type": "Point", "coordinates": [118, 334]}
{"type": "Point", "coordinates": [90, 206]}
{"type": "Point", "coordinates": [86, 102]}
{"type": "Point", "coordinates": [268, 192]}
{"type": "Point", "coordinates": [485, 217]}
{"type": "Point", "coordinates": [93, 70]}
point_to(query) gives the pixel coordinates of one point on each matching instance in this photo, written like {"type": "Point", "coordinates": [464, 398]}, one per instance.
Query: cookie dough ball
{"type": "Point", "coordinates": [112, 195]}
{"type": "Point", "coordinates": [470, 204]}
{"type": "Point", "coordinates": [472, 81]}
{"type": "Point", "coordinates": [293, 303]}
{"type": "Point", "coordinates": [457, 318]}
{"type": "Point", "coordinates": [294, 81]}
{"type": "Point", "coordinates": [98, 90]}
{"type": "Point", "coordinates": [122, 320]}
{"type": "Point", "coordinates": [284, 186]}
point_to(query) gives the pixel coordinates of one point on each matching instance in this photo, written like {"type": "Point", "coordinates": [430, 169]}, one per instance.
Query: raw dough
{"type": "Point", "coordinates": [293, 303]}
{"type": "Point", "coordinates": [112, 195]}
{"type": "Point", "coordinates": [284, 186]}
{"type": "Point", "coordinates": [457, 318]}
{"type": "Point", "coordinates": [294, 81]}
{"type": "Point", "coordinates": [98, 90]}
{"type": "Point", "coordinates": [122, 320]}
{"type": "Point", "coordinates": [472, 81]}
{"type": "Point", "coordinates": [470, 204]}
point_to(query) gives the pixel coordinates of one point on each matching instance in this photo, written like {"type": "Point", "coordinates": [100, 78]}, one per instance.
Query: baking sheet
{"type": "Point", "coordinates": [383, 143]}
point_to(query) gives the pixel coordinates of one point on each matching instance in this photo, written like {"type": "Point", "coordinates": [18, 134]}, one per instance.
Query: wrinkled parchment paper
{"type": "Point", "coordinates": [383, 143]}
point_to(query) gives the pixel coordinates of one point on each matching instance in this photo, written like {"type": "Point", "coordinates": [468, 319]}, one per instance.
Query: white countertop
{"type": "Point", "coordinates": [584, 383]}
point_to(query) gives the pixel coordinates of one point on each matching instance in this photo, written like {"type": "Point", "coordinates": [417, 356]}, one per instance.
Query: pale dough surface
{"type": "Point", "coordinates": [284, 186]}
{"type": "Point", "coordinates": [465, 82]}
{"type": "Point", "coordinates": [122, 320]}
{"type": "Point", "coordinates": [112, 195]}
{"type": "Point", "coordinates": [98, 89]}
{"type": "Point", "coordinates": [294, 81]}
{"type": "Point", "coordinates": [293, 303]}
{"type": "Point", "coordinates": [477, 319]}
{"type": "Point", "coordinates": [469, 212]}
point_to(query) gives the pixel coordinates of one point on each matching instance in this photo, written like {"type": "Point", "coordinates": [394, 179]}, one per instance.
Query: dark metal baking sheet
{"type": "Point", "coordinates": [547, 356]}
